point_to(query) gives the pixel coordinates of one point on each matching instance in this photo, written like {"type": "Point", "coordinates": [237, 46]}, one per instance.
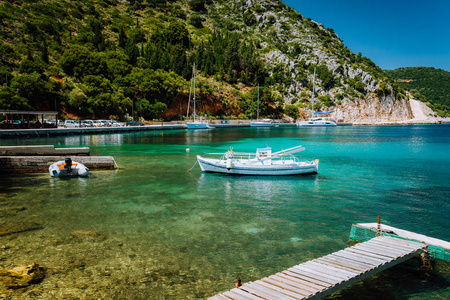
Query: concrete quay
{"type": "Point", "coordinates": [45, 132]}
{"type": "Point", "coordinates": [42, 150]}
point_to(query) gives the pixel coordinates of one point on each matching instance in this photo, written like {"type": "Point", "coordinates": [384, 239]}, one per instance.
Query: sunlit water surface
{"type": "Point", "coordinates": [170, 233]}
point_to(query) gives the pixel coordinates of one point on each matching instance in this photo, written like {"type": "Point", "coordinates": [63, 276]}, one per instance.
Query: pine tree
{"type": "Point", "coordinates": [29, 56]}
{"type": "Point", "coordinates": [123, 39]}
{"type": "Point", "coordinates": [44, 54]}
{"type": "Point", "coordinates": [133, 52]}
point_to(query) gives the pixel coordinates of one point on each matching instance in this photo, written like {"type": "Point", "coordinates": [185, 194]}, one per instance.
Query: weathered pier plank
{"type": "Point", "coordinates": [323, 276]}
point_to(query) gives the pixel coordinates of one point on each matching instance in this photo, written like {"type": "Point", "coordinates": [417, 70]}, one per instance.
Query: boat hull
{"type": "Point", "coordinates": [235, 167]}
{"type": "Point", "coordinates": [58, 169]}
{"type": "Point", "coordinates": [316, 124]}
{"type": "Point", "coordinates": [197, 125]}
{"type": "Point", "coordinates": [260, 124]}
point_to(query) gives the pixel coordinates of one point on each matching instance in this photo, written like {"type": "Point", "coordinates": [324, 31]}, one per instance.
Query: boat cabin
{"type": "Point", "coordinates": [264, 153]}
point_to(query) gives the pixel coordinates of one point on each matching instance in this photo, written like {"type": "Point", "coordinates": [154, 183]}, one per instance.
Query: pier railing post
{"type": "Point", "coordinates": [378, 226]}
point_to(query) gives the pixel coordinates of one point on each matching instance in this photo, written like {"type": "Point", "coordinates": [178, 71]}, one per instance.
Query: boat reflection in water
{"type": "Point", "coordinates": [266, 189]}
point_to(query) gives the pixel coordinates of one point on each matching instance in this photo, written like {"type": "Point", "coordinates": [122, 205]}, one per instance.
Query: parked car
{"type": "Point", "coordinates": [71, 123]}
{"type": "Point", "coordinates": [86, 123]}
{"type": "Point", "coordinates": [105, 123]}
{"type": "Point", "coordinates": [97, 123]}
{"type": "Point", "coordinates": [117, 123]}
{"type": "Point", "coordinates": [134, 123]}
{"type": "Point", "coordinates": [52, 122]}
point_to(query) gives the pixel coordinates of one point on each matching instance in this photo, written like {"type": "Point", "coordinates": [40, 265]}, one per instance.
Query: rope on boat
{"type": "Point", "coordinates": [117, 166]}
{"type": "Point", "coordinates": [192, 166]}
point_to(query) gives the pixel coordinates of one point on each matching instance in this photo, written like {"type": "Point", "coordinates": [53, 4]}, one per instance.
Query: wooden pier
{"type": "Point", "coordinates": [323, 276]}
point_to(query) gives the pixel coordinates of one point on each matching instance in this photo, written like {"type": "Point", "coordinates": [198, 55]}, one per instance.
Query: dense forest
{"type": "Point", "coordinates": [107, 58]}
{"type": "Point", "coordinates": [427, 84]}
{"type": "Point", "coordinates": [117, 59]}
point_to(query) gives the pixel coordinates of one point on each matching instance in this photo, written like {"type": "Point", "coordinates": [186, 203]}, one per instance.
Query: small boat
{"type": "Point", "coordinates": [258, 122]}
{"type": "Point", "coordinates": [67, 168]}
{"type": "Point", "coordinates": [197, 122]}
{"type": "Point", "coordinates": [263, 162]}
{"type": "Point", "coordinates": [262, 123]}
{"type": "Point", "coordinates": [317, 121]}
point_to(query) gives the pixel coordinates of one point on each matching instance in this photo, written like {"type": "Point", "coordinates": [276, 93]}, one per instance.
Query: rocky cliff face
{"type": "Point", "coordinates": [358, 90]}
{"type": "Point", "coordinates": [377, 110]}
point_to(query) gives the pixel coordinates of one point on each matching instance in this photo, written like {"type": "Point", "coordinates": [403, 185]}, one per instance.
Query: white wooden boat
{"type": "Point", "coordinates": [67, 168]}
{"type": "Point", "coordinates": [263, 162]}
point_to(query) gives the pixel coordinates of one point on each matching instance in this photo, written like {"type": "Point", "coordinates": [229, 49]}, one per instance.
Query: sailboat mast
{"type": "Point", "coordinates": [314, 87]}
{"type": "Point", "coordinates": [257, 110]}
{"type": "Point", "coordinates": [189, 103]}
{"type": "Point", "coordinates": [194, 92]}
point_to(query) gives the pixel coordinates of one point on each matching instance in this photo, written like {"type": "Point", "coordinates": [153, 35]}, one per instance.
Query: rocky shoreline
{"type": "Point", "coordinates": [384, 111]}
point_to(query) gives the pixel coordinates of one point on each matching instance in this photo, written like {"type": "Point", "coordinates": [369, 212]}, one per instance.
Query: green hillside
{"type": "Point", "coordinates": [110, 58]}
{"type": "Point", "coordinates": [428, 85]}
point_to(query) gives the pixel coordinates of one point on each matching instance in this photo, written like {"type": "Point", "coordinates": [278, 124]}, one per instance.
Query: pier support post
{"type": "Point", "coordinates": [238, 283]}
{"type": "Point", "coordinates": [426, 261]}
{"type": "Point", "coordinates": [378, 226]}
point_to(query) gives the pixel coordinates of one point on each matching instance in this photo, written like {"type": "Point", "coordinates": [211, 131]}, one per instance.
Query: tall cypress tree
{"type": "Point", "coordinates": [29, 56]}
{"type": "Point", "coordinates": [44, 54]}
{"type": "Point", "coordinates": [123, 39]}
{"type": "Point", "coordinates": [132, 51]}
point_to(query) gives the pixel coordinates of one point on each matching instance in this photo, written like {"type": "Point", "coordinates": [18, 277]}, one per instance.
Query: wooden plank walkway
{"type": "Point", "coordinates": [323, 276]}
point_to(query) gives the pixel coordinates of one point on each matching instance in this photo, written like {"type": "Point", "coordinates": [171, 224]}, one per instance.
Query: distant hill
{"type": "Point", "coordinates": [426, 84]}
{"type": "Point", "coordinates": [110, 58]}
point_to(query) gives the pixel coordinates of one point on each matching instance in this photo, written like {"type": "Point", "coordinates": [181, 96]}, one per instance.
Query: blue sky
{"type": "Point", "coordinates": [392, 33]}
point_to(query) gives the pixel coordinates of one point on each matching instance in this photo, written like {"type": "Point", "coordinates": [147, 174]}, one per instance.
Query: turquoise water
{"type": "Point", "coordinates": [167, 233]}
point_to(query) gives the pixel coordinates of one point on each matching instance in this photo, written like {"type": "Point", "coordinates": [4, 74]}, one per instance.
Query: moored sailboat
{"type": "Point", "coordinates": [258, 122]}
{"type": "Point", "coordinates": [318, 118]}
{"type": "Point", "coordinates": [197, 122]}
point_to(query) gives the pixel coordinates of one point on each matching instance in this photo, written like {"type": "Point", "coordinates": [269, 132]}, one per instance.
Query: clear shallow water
{"type": "Point", "coordinates": [169, 233]}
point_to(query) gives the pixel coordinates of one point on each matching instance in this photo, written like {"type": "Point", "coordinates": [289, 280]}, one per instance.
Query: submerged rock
{"type": "Point", "coordinates": [87, 235]}
{"type": "Point", "coordinates": [11, 211]}
{"type": "Point", "coordinates": [7, 228]}
{"type": "Point", "coordinates": [21, 276]}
